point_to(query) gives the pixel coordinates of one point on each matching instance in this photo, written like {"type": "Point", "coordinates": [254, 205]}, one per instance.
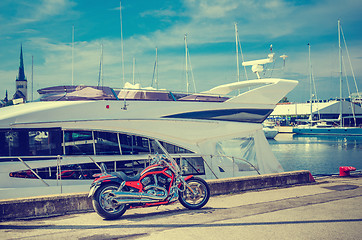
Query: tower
{"type": "Point", "coordinates": [21, 81]}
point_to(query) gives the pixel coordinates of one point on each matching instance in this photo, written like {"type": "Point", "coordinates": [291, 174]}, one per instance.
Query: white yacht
{"type": "Point", "coordinates": [61, 139]}
{"type": "Point", "coordinates": [42, 143]}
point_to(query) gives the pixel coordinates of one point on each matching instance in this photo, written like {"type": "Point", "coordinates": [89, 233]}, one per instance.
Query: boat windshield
{"type": "Point", "coordinates": [240, 151]}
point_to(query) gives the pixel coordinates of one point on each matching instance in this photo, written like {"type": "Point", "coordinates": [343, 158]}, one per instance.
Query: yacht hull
{"type": "Point", "coordinates": [61, 143]}
{"type": "Point", "coordinates": [341, 131]}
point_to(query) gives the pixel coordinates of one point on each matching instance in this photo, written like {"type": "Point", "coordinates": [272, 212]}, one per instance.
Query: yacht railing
{"type": "Point", "coordinates": [59, 173]}
{"type": "Point", "coordinates": [210, 163]}
{"type": "Point", "coordinates": [21, 160]}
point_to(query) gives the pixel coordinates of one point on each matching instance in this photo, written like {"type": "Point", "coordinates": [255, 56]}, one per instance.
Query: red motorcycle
{"type": "Point", "coordinates": [159, 184]}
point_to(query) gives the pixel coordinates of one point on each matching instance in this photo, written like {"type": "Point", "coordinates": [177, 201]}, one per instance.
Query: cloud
{"type": "Point", "coordinates": [215, 9]}
{"type": "Point", "coordinates": [266, 21]}
{"type": "Point", "coordinates": [159, 13]}
{"type": "Point", "coordinates": [40, 10]}
{"type": "Point", "coordinates": [209, 25]}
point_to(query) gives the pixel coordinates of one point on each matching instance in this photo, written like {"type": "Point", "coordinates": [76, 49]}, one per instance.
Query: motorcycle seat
{"type": "Point", "coordinates": [126, 177]}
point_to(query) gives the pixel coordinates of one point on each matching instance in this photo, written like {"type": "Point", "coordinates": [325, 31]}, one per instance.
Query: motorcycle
{"type": "Point", "coordinates": [160, 183]}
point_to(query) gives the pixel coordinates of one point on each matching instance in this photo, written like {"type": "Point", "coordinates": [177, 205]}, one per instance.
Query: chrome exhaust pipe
{"type": "Point", "coordinates": [133, 195]}
{"type": "Point", "coordinates": [133, 200]}
{"type": "Point", "coordinates": [119, 196]}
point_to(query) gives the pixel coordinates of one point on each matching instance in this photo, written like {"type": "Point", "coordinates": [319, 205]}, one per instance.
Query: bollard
{"type": "Point", "coordinates": [345, 171]}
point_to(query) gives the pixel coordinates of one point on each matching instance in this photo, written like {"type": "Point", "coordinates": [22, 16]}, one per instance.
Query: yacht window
{"type": "Point", "coordinates": [78, 143]}
{"type": "Point", "coordinates": [4, 144]}
{"type": "Point", "coordinates": [132, 145]}
{"type": "Point", "coordinates": [10, 143]}
{"type": "Point", "coordinates": [140, 145]}
{"type": "Point", "coordinates": [44, 143]}
{"type": "Point", "coordinates": [170, 148]}
{"type": "Point", "coordinates": [191, 165]}
{"type": "Point", "coordinates": [126, 144]}
{"type": "Point", "coordinates": [106, 143]}
{"type": "Point", "coordinates": [30, 142]}
{"type": "Point", "coordinates": [238, 151]}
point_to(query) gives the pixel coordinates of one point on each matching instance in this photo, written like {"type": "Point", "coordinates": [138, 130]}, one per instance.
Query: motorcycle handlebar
{"type": "Point", "coordinates": [168, 161]}
{"type": "Point", "coordinates": [103, 168]}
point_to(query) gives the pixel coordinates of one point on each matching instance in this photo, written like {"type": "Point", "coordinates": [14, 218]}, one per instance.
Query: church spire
{"type": "Point", "coordinates": [21, 82]}
{"type": "Point", "coordinates": [21, 76]}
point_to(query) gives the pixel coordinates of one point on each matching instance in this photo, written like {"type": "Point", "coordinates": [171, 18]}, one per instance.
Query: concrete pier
{"type": "Point", "coordinates": [79, 202]}
{"type": "Point", "coordinates": [329, 208]}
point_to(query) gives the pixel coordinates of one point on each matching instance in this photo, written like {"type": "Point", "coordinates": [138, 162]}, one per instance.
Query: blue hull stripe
{"type": "Point", "coordinates": [330, 131]}
{"type": "Point", "coordinates": [235, 115]}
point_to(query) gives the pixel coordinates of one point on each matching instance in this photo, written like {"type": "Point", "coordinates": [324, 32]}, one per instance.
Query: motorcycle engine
{"type": "Point", "coordinates": [145, 181]}
{"type": "Point", "coordinates": [158, 180]}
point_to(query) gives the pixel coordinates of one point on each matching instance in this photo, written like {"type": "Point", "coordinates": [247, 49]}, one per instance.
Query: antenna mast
{"type": "Point", "coordinates": [155, 72]}
{"type": "Point", "coordinates": [340, 74]}
{"type": "Point", "coordinates": [73, 56]}
{"type": "Point", "coordinates": [237, 52]}
{"type": "Point", "coordinates": [32, 79]}
{"type": "Point", "coordinates": [156, 69]}
{"type": "Point", "coordinates": [120, 13]}
{"type": "Point", "coordinates": [187, 78]}
{"type": "Point", "coordinates": [133, 69]}
{"type": "Point", "coordinates": [311, 85]}
{"type": "Point", "coordinates": [100, 77]}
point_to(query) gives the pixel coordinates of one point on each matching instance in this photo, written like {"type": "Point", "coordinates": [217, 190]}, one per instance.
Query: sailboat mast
{"type": "Point", "coordinates": [155, 72]}
{"type": "Point", "coordinates": [186, 70]}
{"type": "Point", "coordinates": [73, 56]}
{"type": "Point", "coordinates": [133, 69]}
{"type": "Point", "coordinates": [237, 52]}
{"type": "Point", "coordinates": [100, 77]}
{"type": "Point", "coordinates": [102, 65]}
{"type": "Point", "coordinates": [340, 74]}
{"type": "Point", "coordinates": [32, 78]}
{"type": "Point", "coordinates": [156, 69]}
{"type": "Point", "coordinates": [120, 13]}
{"type": "Point", "coordinates": [311, 84]}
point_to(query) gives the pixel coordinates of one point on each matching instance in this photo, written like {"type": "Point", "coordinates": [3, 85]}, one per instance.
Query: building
{"type": "Point", "coordinates": [356, 98]}
{"type": "Point", "coordinates": [21, 81]}
{"type": "Point", "coordinates": [321, 110]}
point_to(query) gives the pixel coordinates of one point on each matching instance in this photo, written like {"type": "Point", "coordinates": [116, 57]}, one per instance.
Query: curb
{"type": "Point", "coordinates": [239, 184]}
{"type": "Point", "coordinates": [45, 206]}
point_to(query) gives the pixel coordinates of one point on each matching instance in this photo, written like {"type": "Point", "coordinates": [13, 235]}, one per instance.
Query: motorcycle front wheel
{"type": "Point", "coordinates": [103, 204]}
{"type": "Point", "coordinates": [199, 198]}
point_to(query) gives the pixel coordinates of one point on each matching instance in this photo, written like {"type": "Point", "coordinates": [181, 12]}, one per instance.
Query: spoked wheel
{"type": "Point", "coordinates": [103, 204]}
{"type": "Point", "coordinates": [200, 195]}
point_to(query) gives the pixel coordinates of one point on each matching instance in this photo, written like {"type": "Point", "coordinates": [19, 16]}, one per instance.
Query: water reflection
{"type": "Point", "coordinates": [318, 154]}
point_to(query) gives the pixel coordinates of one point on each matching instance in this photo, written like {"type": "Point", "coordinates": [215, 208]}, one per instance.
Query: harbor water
{"type": "Point", "coordinates": [321, 155]}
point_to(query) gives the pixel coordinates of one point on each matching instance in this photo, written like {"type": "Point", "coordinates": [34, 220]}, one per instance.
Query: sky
{"type": "Point", "coordinates": [44, 28]}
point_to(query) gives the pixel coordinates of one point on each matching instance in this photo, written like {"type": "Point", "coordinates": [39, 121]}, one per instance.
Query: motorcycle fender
{"type": "Point", "coordinates": [99, 183]}
{"type": "Point", "coordinates": [188, 177]}
{"type": "Point", "coordinates": [94, 187]}
{"type": "Point", "coordinates": [92, 190]}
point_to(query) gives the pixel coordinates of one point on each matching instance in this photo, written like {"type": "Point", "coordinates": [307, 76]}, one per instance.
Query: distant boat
{"type": "Point", "coordinates": [321, 130]}
{"type": "Point", "coordinates": [322, 127]}
{"type": "Point", "coordinates": [270, 131]}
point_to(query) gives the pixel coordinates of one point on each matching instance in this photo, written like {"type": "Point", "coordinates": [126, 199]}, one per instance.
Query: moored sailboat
{"type": "Point", "coordinates": [338, 127]}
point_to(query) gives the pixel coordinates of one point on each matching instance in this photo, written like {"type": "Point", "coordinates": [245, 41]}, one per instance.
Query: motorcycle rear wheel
{"type": "Point", "coordinates": [103, 204]}
{"type": "Point", "coordinates": [201, 196]}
